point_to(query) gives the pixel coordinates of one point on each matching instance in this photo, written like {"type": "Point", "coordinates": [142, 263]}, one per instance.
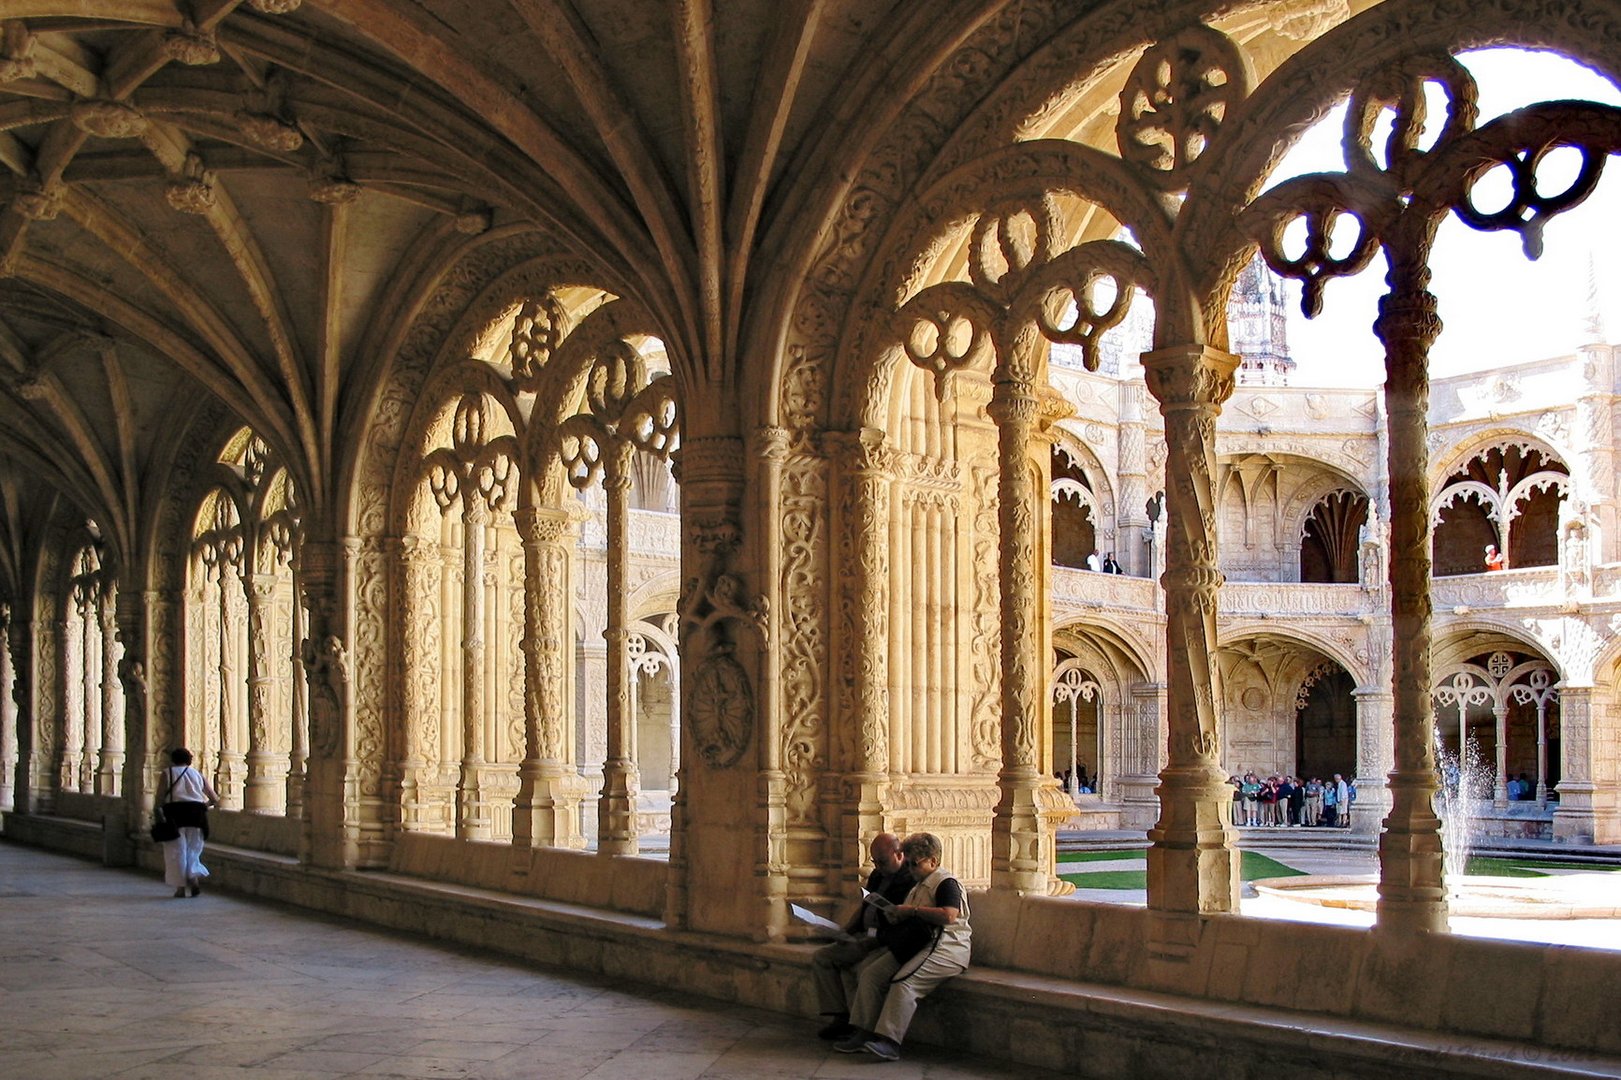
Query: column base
{"type": "Point", "coordinates": [1193, 848]}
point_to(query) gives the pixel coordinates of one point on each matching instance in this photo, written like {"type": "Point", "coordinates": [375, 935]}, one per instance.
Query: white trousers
{"type": "Point", "coordinates": [886, 1008]}
{"type": "Point", "coordinates": [183, 859]}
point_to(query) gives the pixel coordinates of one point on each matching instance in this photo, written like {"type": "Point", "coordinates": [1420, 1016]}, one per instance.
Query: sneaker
{"type": "Point", "coordinates": [883, 1049]}
{"type": "Point", "coordinates": [837, 1029]}
{"type": "Point", "coordinates": [855, 1044]}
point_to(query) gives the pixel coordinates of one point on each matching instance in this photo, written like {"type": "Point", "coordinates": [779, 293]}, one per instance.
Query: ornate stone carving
{"type": "Point", "coordinates": [192, 46]}
{"type": "Point", "coordinates": [270, 132]}
{"type": "Point", "coordinates": [108, 119]}
{"type": "Point", "coordinates": [1175, 100]}
{"type": "Point", "coordinates": [720, 706]}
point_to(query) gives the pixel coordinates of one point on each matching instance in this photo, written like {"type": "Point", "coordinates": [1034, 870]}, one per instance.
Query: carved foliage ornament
{"type": "Point", "coordinates": [1175, 100]}
{"type": "Point", "coordinates": [537, 331]}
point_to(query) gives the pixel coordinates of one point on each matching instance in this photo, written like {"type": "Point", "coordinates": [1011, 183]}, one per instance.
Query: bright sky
{"type": "Point", "coordinates": [1497, 306]}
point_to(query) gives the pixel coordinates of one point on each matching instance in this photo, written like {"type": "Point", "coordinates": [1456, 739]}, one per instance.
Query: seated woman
{"type": "Point", "coordinates": [925, 943]}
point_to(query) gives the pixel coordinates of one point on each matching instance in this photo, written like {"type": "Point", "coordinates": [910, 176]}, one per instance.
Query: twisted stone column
{"type": "Point", "coordinates": [413, 570]}
{"type": "Point", "coordinates": [1412, 894]}
{"type": "Point", "coordinates": [1019, 837]}
{"type": "Point", "coordinates": [72, 707]}
{"type": "Point", "coordinates": [616, 809]}
{"type": "Point", "coordinates": [546, 813]}
{"type": "Point", "coordinates": [1192, 857]}
{"type": "Point", "coordinates": [231, 769]}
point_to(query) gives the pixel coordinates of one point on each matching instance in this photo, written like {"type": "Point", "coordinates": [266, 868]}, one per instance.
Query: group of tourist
{"type": "Point", "coordinates": [1282, 801]}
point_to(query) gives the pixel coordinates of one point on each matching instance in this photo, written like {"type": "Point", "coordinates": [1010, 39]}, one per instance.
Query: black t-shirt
{"type": "Point", "coordinates": [905, 938]}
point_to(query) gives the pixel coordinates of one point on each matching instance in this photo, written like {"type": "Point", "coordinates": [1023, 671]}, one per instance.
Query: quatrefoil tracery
{"type": "Point", "coordinates": [625, 411]}
{"type": "Point", "coordinates": [473, 464]}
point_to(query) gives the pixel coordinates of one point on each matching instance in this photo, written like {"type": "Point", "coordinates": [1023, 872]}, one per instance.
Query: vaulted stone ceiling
{"type": "Point", "coordinates": [234, 203]}
{"type": "Point", "coordinates": [216, 199]}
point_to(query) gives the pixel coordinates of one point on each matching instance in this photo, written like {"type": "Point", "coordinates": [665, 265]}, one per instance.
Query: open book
{"type": "Point", "coordinates": [876, 900]}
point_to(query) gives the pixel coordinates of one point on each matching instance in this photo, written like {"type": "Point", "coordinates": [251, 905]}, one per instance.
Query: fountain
{"type": "Point", "coordinates": [1466, 786]}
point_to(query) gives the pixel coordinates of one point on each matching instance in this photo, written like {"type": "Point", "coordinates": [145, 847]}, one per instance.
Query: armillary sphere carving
{"type": "Point", "coordinates": [473, 466]}
{"type": "Point", "coordinates": [1175, 101]}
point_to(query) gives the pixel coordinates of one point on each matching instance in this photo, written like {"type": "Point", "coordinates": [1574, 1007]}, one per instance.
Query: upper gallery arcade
{"type": "Point", "coordinates": [632, 453]}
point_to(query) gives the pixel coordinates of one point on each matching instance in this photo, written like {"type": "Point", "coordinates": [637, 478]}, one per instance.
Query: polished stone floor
{"type": "Point", "coordinates": [104, 974]}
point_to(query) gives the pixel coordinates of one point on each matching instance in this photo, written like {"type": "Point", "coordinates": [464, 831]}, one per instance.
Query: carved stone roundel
{"type": "Point", "coordinates": [721, 710]}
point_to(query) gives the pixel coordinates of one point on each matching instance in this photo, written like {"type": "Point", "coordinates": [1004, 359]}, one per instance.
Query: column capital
{"type": "Point", "coordinates": [860, 451]}
{"type": "Point", "coordinates": [542, 524]}
{"type": "Point", "coordinates": [1190, 376]}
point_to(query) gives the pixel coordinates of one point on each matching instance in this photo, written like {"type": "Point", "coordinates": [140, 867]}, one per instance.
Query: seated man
{"type": "Point", "coordinates": [834, 966]}
{"type": "Point", "coordinates": [926, 943]}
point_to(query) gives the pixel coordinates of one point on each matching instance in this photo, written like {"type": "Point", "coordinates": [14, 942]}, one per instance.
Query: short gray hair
{"type": "Point", "coordinates": [922, 845]}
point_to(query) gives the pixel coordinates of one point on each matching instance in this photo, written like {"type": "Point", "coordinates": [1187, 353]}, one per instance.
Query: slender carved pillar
{"type": "Point", "coordinates": [1412, 894]}
{"type": "Point", "coordinates": [1134, 537]}
{"type": "Point", "coordinates": [70, 721]}
{"type": "Point", "coordinates": [298, 720]}
{"type": "Point", "coordinates": [1374, 758]}
{"type": "Point", "coordinates": [8, 714]}
{"type": "Point", "coordinates": [546, 813]}
{"type": "Point", "coordinates": [1192, 857]}
{"type": "Point", "coordinates": [472, 807]}
{"type": "Point", "coordinates": [616, 810]}
{"type": "Point", "coordinates": [232, 767]}
{"type": "Point", "coordinates": [865, 466]}
{"type": "Point", "coordinates": [131, 612]}
{"type": "Point", "coordinates": [1017, 827]}
{"type": "Point", "coordinates": [110, 761]}
{"type": "Point", "coordinates": [89, 670]}
{"type": "Point", "coordinates": [264, 779]}
{"type": "Point", "coordinates": [331, 837]}
{"type": "Point", "coordinates": [414, 572]}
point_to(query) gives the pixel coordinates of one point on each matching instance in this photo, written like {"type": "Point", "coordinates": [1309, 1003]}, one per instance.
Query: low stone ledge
{"type": "Point", "coordinates": [1086, 1029]}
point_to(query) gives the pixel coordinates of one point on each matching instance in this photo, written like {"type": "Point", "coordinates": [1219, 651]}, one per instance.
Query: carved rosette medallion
{"type": "Point", "coordinates": [721, 711]}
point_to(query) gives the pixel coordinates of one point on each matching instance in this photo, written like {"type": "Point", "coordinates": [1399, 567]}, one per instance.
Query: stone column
{"type": "Point", "coordinates": [1134, 537]}
{"type": "Point", "coordinates": [8, 714]}
{"type": "Point", "coordinates": [1589, 809]}
{"type": "Point", "coordinates": [1018, 834]}
{"type": "Point", "coordinates": [413, 572]}
{"type": "Point", "coordinates": [110, 761]}
{"type": "Point", "coordinates": [1594, 475]}
{"type": "Point", "coordinates": [36, 790]}
{"type": "Point", "coordinates": [74, 705]}
{"type": "Point", "coordinates": [1192, 857]}
{"type": "Point", "coordinates": [864, 468]}
{"type": "Point", "coordinates": [616, 809]}
{"type": "Point", "coordinates": [1412, 894]}
{"type": "Point", "coordinates": [298, 718]}
{"type": "Point", "coordinates": [231, 768]}
{"type": "Point", "coordinates": [547, 810]}
{"type": "Point", "coordinates": [472, 807]}
{"type": "Point", "coordinates": [331, 836]}
{"type": "Point", "coordinates": [1375, 758]}
{"type": "Point", "coordinates": [131, 614]}
{"type": "Point", "coordinates": [264, 776]}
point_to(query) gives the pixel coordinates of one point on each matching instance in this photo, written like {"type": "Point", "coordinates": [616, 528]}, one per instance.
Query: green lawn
{"type": "Point", "coordinates": [1252, 866]}
{"type": "Point", "coordinates": [1100, 856]}
{"type": "Point", "coordinates": [1481, 864]}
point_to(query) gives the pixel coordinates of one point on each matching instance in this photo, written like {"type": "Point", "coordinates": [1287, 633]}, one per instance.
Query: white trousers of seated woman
{"type": "Point", "coordinates": [183, 859]}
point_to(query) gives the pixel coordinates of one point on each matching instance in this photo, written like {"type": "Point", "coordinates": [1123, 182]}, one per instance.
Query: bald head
{"type": "Point", "coordinates": [886, 852]}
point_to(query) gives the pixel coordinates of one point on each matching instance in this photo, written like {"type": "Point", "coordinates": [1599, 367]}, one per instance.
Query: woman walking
{"type": "Point", "coordinates": [185, 796]}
